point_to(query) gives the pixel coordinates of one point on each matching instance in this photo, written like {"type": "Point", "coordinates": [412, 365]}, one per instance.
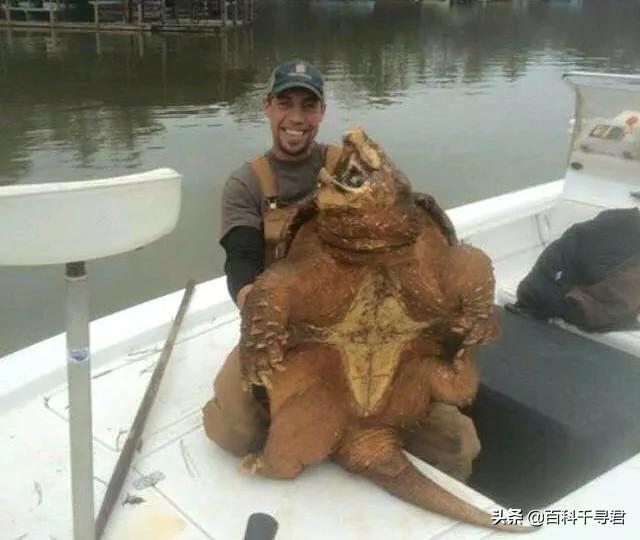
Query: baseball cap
{"type": "Point", "coordinates": [296, 74]}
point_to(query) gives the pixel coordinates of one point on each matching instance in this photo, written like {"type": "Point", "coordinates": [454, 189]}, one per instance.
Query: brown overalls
{"type": "Point", "coordinates": [239, 424]}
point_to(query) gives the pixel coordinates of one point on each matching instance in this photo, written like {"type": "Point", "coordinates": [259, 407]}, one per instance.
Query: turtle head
{"type": "Point", "coordinates": [366, 204]}
{"type": "Point", "coordinates": [364, 178]}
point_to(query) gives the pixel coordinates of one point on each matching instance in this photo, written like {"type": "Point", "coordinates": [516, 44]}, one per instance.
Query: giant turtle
{"type": "Point", "coordinates": [369, 319]}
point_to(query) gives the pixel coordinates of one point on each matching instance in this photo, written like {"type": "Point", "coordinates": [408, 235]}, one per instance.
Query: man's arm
{"type": "Point", "coordinates": [241, 232]}
{"type": "Point", "coordinates": [245, 256]}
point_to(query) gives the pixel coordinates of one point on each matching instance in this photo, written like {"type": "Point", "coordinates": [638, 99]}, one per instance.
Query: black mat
{"type": "Point", "coordinates": [554, 411]}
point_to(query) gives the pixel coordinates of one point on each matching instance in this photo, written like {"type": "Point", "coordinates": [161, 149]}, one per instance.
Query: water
{"type": "Point", "coordinates": [467, 100]}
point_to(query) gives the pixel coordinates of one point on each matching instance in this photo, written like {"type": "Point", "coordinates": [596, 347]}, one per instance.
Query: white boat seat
{"type": "Point", "coordinates": [70, 223]}
{"type": "Point", "coordinates": [65, 222]}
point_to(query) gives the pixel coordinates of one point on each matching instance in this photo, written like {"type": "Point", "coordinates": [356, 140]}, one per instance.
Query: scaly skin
{"type": "Point", "coordinates": [371, 317]}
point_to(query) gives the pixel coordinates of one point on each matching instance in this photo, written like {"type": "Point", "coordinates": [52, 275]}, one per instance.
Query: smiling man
{"type": "Point", "coordinates": [256, 193]}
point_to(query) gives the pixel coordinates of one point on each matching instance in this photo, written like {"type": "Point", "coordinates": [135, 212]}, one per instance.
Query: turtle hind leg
{"type": "Point", "coordinates": [446, 439]}
{"type": "Point", "coordinates": [305, 429]}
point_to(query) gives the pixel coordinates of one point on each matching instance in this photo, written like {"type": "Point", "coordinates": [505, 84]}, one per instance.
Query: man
{"type": "Point", "coordinates": [254, 208]}
{"type": "Point", "coordinates": [294, 105]}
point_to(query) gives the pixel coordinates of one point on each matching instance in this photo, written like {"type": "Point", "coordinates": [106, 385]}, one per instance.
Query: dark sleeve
{"type": "Point", "coordinates": [245, 257]}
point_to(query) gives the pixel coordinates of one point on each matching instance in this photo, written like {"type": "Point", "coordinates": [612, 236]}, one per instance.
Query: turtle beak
{"type": "Point", "coordinates": [324, 178]}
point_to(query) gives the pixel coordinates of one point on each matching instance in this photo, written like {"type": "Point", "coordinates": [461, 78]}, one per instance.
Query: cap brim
{"type": "Point", "coordinates": [297, 84]}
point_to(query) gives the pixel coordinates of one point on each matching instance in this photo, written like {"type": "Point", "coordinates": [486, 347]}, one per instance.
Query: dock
{"type": "Point", "coordinates": [128, 15]}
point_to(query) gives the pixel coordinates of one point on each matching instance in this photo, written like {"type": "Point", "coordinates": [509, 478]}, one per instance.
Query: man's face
{"type": "Point", "coordinates": [295, 116]}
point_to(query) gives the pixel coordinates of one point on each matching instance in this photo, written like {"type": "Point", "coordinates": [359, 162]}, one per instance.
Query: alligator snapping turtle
{"type": "Point", "coordinates": [368, 320]}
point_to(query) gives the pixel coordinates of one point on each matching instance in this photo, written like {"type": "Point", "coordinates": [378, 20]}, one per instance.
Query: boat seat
{"type": "Point", "coordinates": [554, 410]}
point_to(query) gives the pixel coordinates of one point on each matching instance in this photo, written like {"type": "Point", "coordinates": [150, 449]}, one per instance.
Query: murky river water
{"type": "Point", "coordinates": [468, 100]}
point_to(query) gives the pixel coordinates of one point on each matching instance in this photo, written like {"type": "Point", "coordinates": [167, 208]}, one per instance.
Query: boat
{"type": "Point", "coordinates": [182, 486]}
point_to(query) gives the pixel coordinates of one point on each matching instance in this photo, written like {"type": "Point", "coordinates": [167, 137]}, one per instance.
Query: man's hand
{"type": "Point", "coordinates": [241, 297]}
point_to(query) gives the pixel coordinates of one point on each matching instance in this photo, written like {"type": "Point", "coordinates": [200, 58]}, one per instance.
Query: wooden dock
{"type": "Point", "coordinates": [129, 15]}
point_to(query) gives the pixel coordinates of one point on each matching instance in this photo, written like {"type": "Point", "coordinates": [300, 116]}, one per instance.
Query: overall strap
{"type": "Point", "coordinates": [268, 181]}
{"type": "Point", "coordinates": [274, 218]}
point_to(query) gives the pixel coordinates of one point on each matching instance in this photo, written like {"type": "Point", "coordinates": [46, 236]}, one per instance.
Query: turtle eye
{"type": "Point", "coordinates": [355, 180]}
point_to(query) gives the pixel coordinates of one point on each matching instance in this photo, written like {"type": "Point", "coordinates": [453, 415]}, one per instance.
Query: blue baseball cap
{"type": "Point", "coordinates": [296, 74]}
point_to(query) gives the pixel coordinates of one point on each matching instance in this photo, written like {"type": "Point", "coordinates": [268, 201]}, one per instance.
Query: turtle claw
{"type": "Point", "coordinates": [264, 379]}
{"type": "Point", "coordinates": [251, 463]}
{"type": "Point", "coordinates": [470, 341]}
{"type": "Point", "coordinates": [259, 363]}
{"type": "Point", "coordinates": [478, 334]}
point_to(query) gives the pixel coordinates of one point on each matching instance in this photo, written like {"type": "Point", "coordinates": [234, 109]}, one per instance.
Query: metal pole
{"type": "Point", "coordinates": [224, 54]}
{"type": "Point", "coordinates": [96, 14]}
{"type": "Point", "coordinates": [79, 380]}
{"type": "Point", "coordinates": [163, 58]}
{"type": "Point", "coordinates": [7, 9]}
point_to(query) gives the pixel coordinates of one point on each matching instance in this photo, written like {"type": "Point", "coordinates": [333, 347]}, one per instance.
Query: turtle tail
{"type": "Point", "coordinates": [376, 453]}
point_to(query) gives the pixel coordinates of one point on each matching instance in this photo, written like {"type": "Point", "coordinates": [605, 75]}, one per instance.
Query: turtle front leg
{"type": "Point", "coordinates": [470, 287]}
{"type": "Point", "coordinates": [263, 332]}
